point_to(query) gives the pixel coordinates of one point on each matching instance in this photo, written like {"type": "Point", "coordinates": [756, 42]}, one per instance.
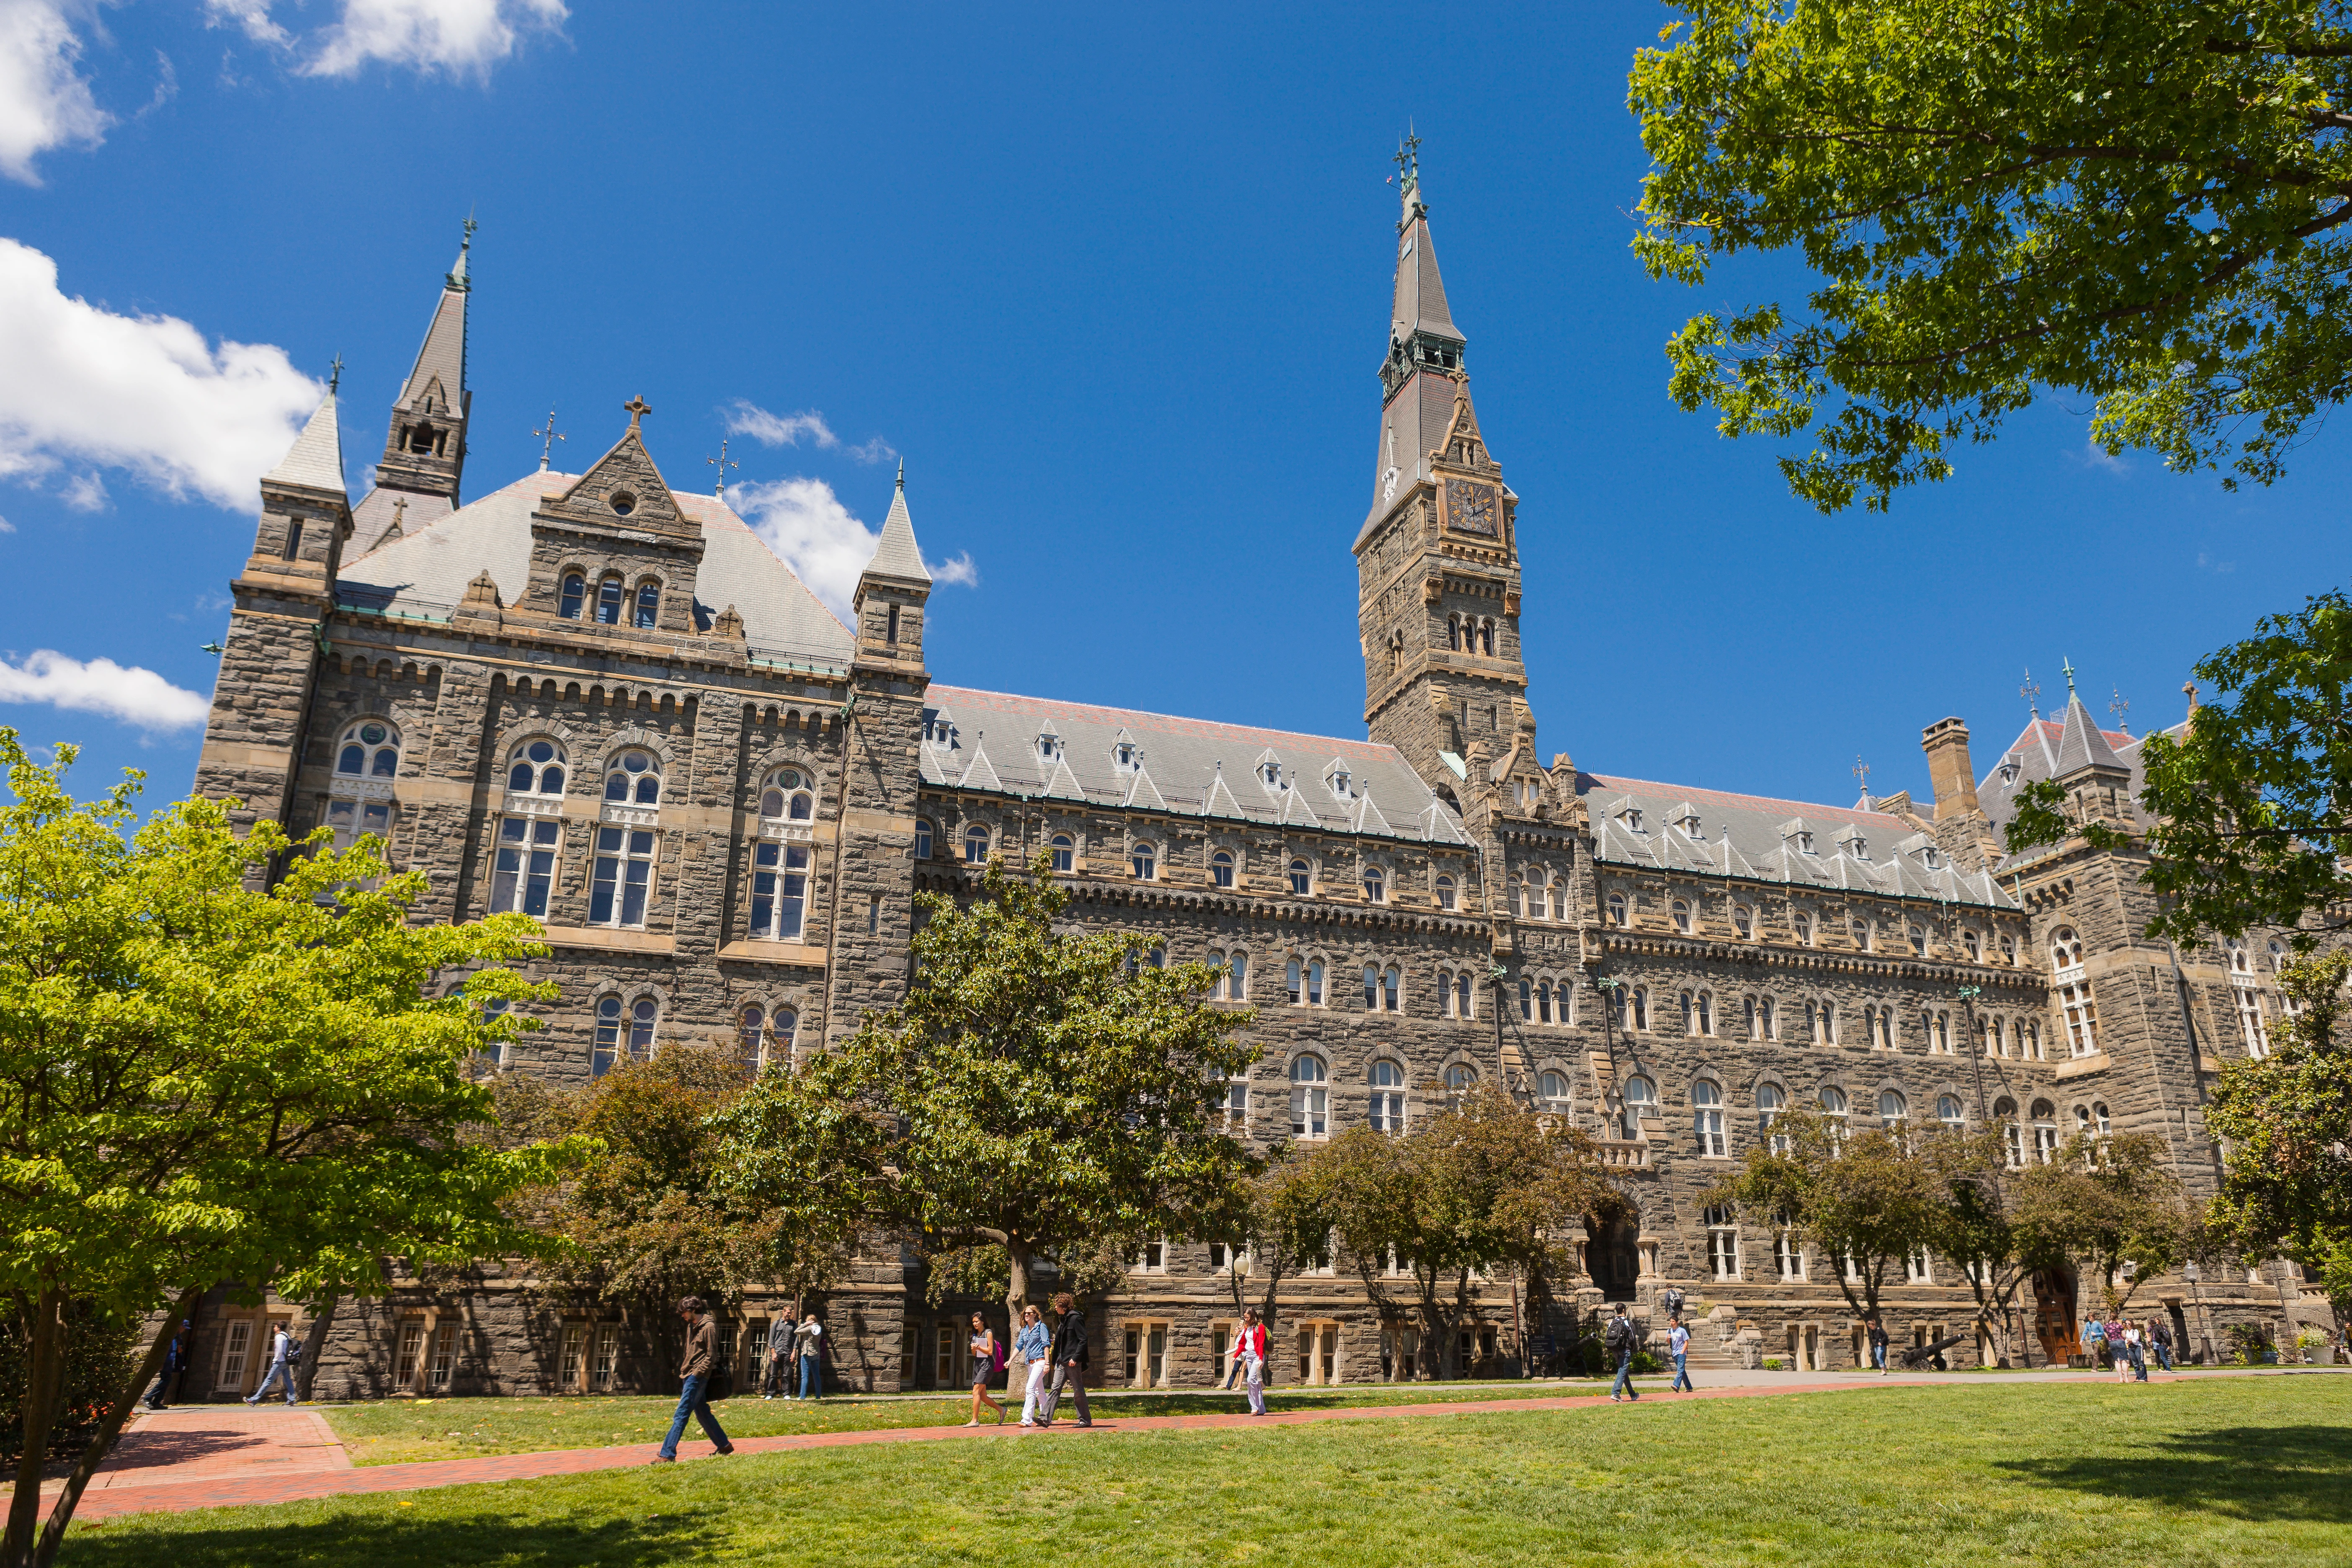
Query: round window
{"type": "Point", "coordinates": [635, 762]}
{"type": "Point", "coordinates": [373, 734]}
{"type": "Point", "coordinates": [789, 779]}
{"type": "Point", "coordinates": [624, 502]}
{"type": "Point", "coordinates": [541, 752]}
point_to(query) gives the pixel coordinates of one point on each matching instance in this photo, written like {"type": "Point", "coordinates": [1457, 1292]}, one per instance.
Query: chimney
{"type": "Point", "coordinates": [1946, 742]}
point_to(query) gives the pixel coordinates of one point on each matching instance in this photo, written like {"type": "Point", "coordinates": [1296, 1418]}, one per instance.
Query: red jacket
{"type": "Point", "coordinates": [1251, 1344]}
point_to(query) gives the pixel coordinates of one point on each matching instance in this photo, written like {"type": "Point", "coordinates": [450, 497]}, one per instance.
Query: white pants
{"type": "Point", "coordinates": [1036, 1396]}
{"type": "Point", "coordinates": [1253, 1371]}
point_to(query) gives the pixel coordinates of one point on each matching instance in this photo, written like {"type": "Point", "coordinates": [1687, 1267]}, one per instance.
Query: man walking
{"type": "Point", "coordinates": [175, 1358]}
{"type": "Point", "coordinates": [1670, 1300]}
{"type": "Point", "coordinates": [1070, 1358]}
{"type": "Point", "coordinates": [2159, 1334]}
{"type": "Point", "coordinates": [1678, 1343]}
{"type": "Point", "coordinates": [281, 1365]}
{"type": "Point", "coordinates": [693, 1369]}
{"type": "Point", "coordinates": [810, 1336]}
{"type": "Point", "coordinates": [1620, 1340]}
{"type": "Point", "coordinates": [1878, 1346]}
{"type": "Point", "coordinates": [780, 1357]}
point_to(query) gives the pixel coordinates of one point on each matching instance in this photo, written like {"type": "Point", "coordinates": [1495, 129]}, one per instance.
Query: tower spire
{"type": "Point", "coordinates": [425, 439]}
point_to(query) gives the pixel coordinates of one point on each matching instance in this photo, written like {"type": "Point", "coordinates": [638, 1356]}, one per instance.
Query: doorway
{"type": "Point", "coordinates": [2054, 1315]}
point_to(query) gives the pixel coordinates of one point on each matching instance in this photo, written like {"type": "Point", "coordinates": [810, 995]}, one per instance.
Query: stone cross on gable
{"type": "Point", "coordinates": [1862, 775]}
{"type": "Point", "coordinates": [637, 408]}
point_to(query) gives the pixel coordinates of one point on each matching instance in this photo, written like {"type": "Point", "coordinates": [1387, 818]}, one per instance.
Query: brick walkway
{"type": "Point", "coordinates": [217, 1457]}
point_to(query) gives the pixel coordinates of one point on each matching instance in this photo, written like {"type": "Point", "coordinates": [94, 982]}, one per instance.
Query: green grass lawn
{"type": "Point", "coordinates": [396, 1431]}
{"type": "Point", "coordinates": [2255, 1471]}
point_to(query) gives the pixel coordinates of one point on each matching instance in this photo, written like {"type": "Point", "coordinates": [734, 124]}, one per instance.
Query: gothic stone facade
{"type": "Point", "coordinates": [605, 702]}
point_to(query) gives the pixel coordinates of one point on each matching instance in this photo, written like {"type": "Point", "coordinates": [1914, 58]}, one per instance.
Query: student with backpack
{"type": "Point", "coordinates": [1679, 1344]}
{"type": "Point", "coordinates": [1621, 1338]}
{"type": "Point", "coordinates": [987, 1366]}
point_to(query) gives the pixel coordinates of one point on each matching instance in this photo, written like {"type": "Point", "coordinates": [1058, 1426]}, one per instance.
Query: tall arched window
{"type": "Point", "coordinates": [1453, 633]}
{"type": "Point", "coordinates": [751, 1035]}
{"type": "Point", "coordinates": [1388, 1097]}
{"type": "Point", "coordinates": [1459, 1078]}
{"type": "Point", "coordinates": [1237, 977]}
{"type": "Point", "coordinates": [635, 777]}
{"type": "Point", "coordinates": [649, 605]}
{"type": "Point", "coordinates": [1706, 1119]}
{"type": "Point", "coordinates": [537, 768]}
{"type": "Point", "coordinates": [975, 845]}
{"type": "Point", "coordinates": [1551, 1088]}
{"type": "Point", "coordinates": [1743, 920]}
{"type": "Point", "coordinates": [1221, 868]}
{"type": "Point", "coordinates": [1390, 983]}
{"type": "Point", "coordinates": [575, 595]}
{"type": "Point", "coordinates": [1682, 914]}
{"type": "Point", "coordinates": [1145, 860]}
{"type": "Point", "coordinates": [1802, 925]}
{"type": "Point", "coordinates": [1640, 1100]}
{"type": "Point", "coordinates": [790, 795]}
{"type": "Point", "coordinates": [1705, 1013]}
{"type": "Point", "coordinates": [1302, 880]}
{"type": "Point", "coordinates": [2074, 1000]}
{"type": "Point", "coordinates": [1465, 998]}
{"type": "Point", "coordinates": [2045, 1131]}
{"type": "Point", "coordinates": [1543, 1002]}
{"type": "Point", "coordinates": [369, 748]}
{"type": "Point", "coordinates": [644, 1014]}
{"type": "Point", "coordinates": [1314, 983]}
{"type": "Point", "coordinates": [1371, 988]}
{"type": "Point", "coordinates": [784, 1030]}
{"type": "Point", "coordinates": [1948, 1111]}
{"type": "Point", "coordinates": [1616, 908]}
{"type": "Point", "coordinates": [1376, 885]}
{"type": "Point", "coordinates": [608, 1046]}
{"type": "Point", "coordinates": [1770, 1103]}
{"type": "Point", "coordinates": [1767, 1015]}
{"type": "Point", "coordinates": [1065, 853]}
{"type": "Point", "coordinates": [1833, 1110]}
{"type": "Point", "coordinates": [1527, 1000]}
{"type": "Point", "coordinates": [1892, 1106]}
{"type": "Point", "coordinates": [1292, 974]}
{"type": "Point", "coordinates": [609, 593]}
{"type": "Point", "coordinates": [1310, 1098]}
{"type": "Point", "coordinates": [1446, 892]}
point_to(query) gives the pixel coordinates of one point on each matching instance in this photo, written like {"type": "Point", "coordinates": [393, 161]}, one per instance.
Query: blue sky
{"type": "Point", "coordinates": [1116, 285]}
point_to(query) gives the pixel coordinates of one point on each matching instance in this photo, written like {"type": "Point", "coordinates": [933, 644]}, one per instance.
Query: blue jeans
{"type": "Point", "coordinates": [285, 1370]}
{"type": "Point", "coordinates": [1625, 1383]}
{"type": "Point", "coordinates": [2139, 1363]}
{"type": "Point", "coordinates": [2163, 1355]}
{"type": "Point", "coordinates": [690, 1402]}
{"type": "Point", "coordinates": [1682, 1375]}
{"type": "Point", "coordinates": [811, 1385]}
{"type": "Point", "coordinates": [1878, 1355]}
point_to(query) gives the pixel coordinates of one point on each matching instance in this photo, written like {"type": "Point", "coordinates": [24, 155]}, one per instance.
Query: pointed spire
{"type": "Point", "coordinates": [457, 276]}
{"type": "Point", "coordinates": [2083, 746]}
{"type": "Point", "coordinates": [316, 459]}
{"type": "Point", "coordinates": [1418, 392]}
{"type": "Point", "coordinates": [897, 554]}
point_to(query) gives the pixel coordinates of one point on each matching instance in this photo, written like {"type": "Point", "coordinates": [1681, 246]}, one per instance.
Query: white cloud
{"type": "Point", "coordinates": [463, 37]}
{"type": "Point", "coordinates": [826, 547]}
{"type": "Point", "coordinates": [142, 392]}
{"type": "Point", "coordinates": [133, 696]}
{"type": "Point", "coordinates": [250, 17]}
{"type": "Point", "coordinates": [85, 492]}
{"type": "Point", "coordinates": [7, 527]}
{"type": "Point", "coordinates": [44, 101]}
{"type": "Point", "coordinates": [745, 417]}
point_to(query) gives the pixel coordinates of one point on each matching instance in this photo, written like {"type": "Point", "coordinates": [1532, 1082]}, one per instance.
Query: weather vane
{"type": "Point", "coordinates": [2066, 669]}
{"type": "Point", "coordinates": [335, 376]}
{"type": "Point", "coordinates": [2031, 692]}
{"type": "Point", "coordinates": [2120, 707]}
{"type": "Point", "coordinates": [724, 465]}
{"type": "Point", "coordinates": [1862, 776]}
{"type": "Point", "coordinates": [548, 437]}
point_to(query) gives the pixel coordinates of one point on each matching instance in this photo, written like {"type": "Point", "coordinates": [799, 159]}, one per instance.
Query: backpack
{"type": "Point", "coordinates": [996, 1357]}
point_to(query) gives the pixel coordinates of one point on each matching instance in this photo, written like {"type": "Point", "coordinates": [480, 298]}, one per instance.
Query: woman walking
{"type": "Point", "coordinates": [1031, 1344]}
{"type": "Point", "coordinates": [987, 1360]}
{"type": "Point", "coordinates": [2117, 1353]}
{"type": "Point", "coordinates": [1249, 1351]}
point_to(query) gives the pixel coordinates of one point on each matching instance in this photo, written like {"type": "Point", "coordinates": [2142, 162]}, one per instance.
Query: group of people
{"type": "Point", "coordinates": [2127, 1345]}
{"type": "Point", "coordinates": [1056, 1359]}
{"type": "Point", "coordinates": [794, 1341]}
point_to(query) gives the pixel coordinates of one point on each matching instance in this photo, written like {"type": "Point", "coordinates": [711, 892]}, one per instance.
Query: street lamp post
{"type": "Point", "coordinates": [2190, 1272]}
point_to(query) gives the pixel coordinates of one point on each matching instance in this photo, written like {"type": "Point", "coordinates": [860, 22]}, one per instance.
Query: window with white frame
{"type": "Point", "coordinates": [1388, 1097]}
{"type": "Point", "coordinates": [1918, 935]}
{"type": "Point", "coordinates": [780, 891]}
{"type": "Point", "coordinates": [1065, 853]}
{"type": "Point", "coordinates": [634, 778]}
{"type": "Point", "coordinates": [1310, 1098]}
{"type": "Point", "coordinates": [1681, 910]}
{"type": "Point", "coordinates": [1236, 977]}
{"type": "Point", "coordinates": [1229, 1105]}
{"type": "Point", "coordinates": [1616, 904]}
{"type": "Point", "coordinates": [1722, 1243]}
{"type": "Point", "coordinates": [2045, 1131]}
{"type": "Point", "coordinates": [1788, 1253]}
{"type": "Point", "coordinates": [1376, 885]}
{"type": "Point", "coordinates": [528, 850]}
{"type": "Point", "coordinates": [1221, 868]}
{"type": "Point", "coordinates": [1864, 933]}
{"type": "Point", "coordinates": [369, 748]}
{"type": "Point", "coordinates": [1914, 1268]}
{"type": "Point", "coordinates": [623, 885]}
{"type": "Point", "coordinates": [1892, 1106]}
{"type": "Point", "coordinates": [1706, 1119]}
{"type": "Point", "coordinates": [1551, 1088]}
{"type": "Point", "coordinates": [790, 795]}
{"type": "Point", "coordinates": [1640, 1100]}
{"type": "Point", "coordinates": [348, 820]}
{"type": "Point", "coordinates": [1459, 1079]}
{"type": "Point", "coordinates": [1302, 879]}
{"type": "Point", "coordinates": [1527, 1000]}
{"type": "Point", "coordinates": [1834, 1113]}
{"type": "Point", "coordinates": [1948, 1112]}
{"type": "Point", "coordinates": [1293, 978]}
{"type": "Point", "coordinates": [1445, 885]}
{"type": "Point", "coordinates": [2251, 1024]}
{"type": "Point", "coordinates": [1801, 925]}
{"type": "Point", "coordinates": [1770, 1103]}
{"type": "Point", "coordinates": [1975, 945]}
{"type": "Point", "coordinates": [574, 595]}
{"type": "Point", "coordinates": [536, 767]}
{"type": "Point", "coordinates": [2012, 1136]}
{"type": "Point", "coordinates": [1391, 987]}
{"type": "Point", "coordinates": [1743, 920]}
{"type": "Point", "coordinates": [922, 840]}
{"type": "Point", "coordinates": [975, 845]}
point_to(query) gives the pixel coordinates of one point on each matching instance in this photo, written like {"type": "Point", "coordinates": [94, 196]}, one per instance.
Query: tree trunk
{"type": "Point", "coordinates": [53, 1533]}
{"type": "Point", "coordinates": [42, 1382]}
{"type": "Point", "coordinates": [314, 1339]}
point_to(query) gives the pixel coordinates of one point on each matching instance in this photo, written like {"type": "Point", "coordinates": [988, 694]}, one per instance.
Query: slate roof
{"type": "Point", "coordinates": [895, 553]}
{"type": "Point", "coordinates": [425, 574]}
{"type": "Point", "coordinates": [1761, 838]}
{"type": "Point", "coordinates": [2052, 748]}
{"type": "Point", "coordinates": [316, 459]}
{"type": "Point", "coordinates": [443, 354]}
{"type": "Point", "coordinates": [1189, 767]}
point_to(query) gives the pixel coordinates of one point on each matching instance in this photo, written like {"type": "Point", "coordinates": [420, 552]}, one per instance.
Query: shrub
{"type": "Point", "coordinates": [99, 1359]}
{"type": "Point", "coordinates": [1771, 1364]}
{"type": "Point", "coordinates": [1645, 1361]}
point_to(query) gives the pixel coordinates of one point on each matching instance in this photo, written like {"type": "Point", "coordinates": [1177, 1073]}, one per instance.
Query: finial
{"type": "Point", "coordinates": [399, 510]}
{"type": "Point", "coordinates": [637, 408]}
{"type": "Point", "coordinates": [902, 473]}
{"type": "Point", "coordinates": [547, 437]}
{"type": "Point", "coordinates": [2066, 669]}
{"type": "Point", "coordinates": [2188, 689]}
{"type": "Point", "coordinates": [335, 376]}
{"type": "Point", "coordinates": [1408, 162]}
{"type": "Point", "coordinates": [457, 279]}
{"type": "Point", "coordinates": [1862, 776]}
{"type": "Point", "coordinates": [724, 465]}
{"type": "Point", "coordinates": [2119, 707]}
{"type": "Point", "coordinates": [2031, 692]}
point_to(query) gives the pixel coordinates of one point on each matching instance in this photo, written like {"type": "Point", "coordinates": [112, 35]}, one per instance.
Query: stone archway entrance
{"type": "Point", "coordinates": [2054, 1315]}
{"type": "Point", "coordinates": [1620, 1261]}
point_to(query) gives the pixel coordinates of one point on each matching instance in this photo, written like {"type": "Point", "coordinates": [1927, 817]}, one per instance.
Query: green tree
{"type": "Point", "coordinates": [2140, 203]}
{"type": "Point", "coordinates": [2113, 1206]}
{"type": "Point", "coordinates": [1280, 1222]}
{"type": "Point", "coordinates": [1042, 1091]}
{"type": "Point", "coordinates": [206, 1085]}
{"type": "Point", "coordinates": [1974, 1220]}
{"type": "Point", "coordinates": [1481, 1185]}
{"type": "Point", "coordinates": [1866, 1199]}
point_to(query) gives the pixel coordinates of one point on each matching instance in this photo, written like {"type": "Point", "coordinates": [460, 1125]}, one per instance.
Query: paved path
{"type": "Point", "coordinates": [227, 1456]}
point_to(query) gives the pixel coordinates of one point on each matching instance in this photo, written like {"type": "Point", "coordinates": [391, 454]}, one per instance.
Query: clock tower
{"type": "Point", "coordinates": [1437, 566]}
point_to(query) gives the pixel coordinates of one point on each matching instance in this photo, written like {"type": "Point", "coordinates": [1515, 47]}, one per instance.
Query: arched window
{"type": "Point", "coordinates": [790, 795]}
{"type": "Point", "coordinates": [1682, 914]}
{"type": "Point", "coordinates": [1743, 920]}
{"type": "Point", "coordinates": [649, 605]}
{"type": "Point", "coordinates": [751, 1034]}
{"type": "Point", "coordinates": [1640, 1100]}
{"type": "Point", "coordinates": [2099, 1119]}
{"type": "Point", "coordinates": [634, 776]}
{"type": "Point", "coordinates": [2074, 1000]}
{"type": "Point", "coordinates": [1459, 1078]}
{"type": "Point", "coordinates": [1705, 1017]}
{"type": "Point", "coordinates": [1750, 1026]}
{"type": "Point", "coordinates": [1969, 940]}
{"type": "Point", "coordinates": [1371, 988]}
{"type": "Point", "coordinates": [644, 1014]}
{"type": "Point", "coordinates": [923, 839]}
{"type": "Point", "coordinates": [1237, 977]}
{"type": "Point", "coordinates": [1918, 935]}
{"type": "Point", "coordinates": [609, 593]}
{"type": "Point", "coordinates": [1617, 909]}
{"type": "Point", "coordinates": [1551, 1088]}
{"type": "Point", "coordinates": [975, 845]}
{"type": "Point", "coordinates": [2065, 948]}
{"type": "Point", "coordinates": [1863, 933]}
{"type": "Point", "coordinates": [1892, 1106]}
{"type": "Point", "coordinates": [1446, 892]}
{"type": "Point", "coordinates": [1310, 1098]}
{"type": "Point", "coordinates": [1145, 860]}
{"type": "Point", "coordinates": [1314, 983]}
{"type": "Point", "coordinates": [1706, 1119]}
{"type": "Point", "coordinates": [784, 1033]}
{"type": "Point", "coordinates": [1543, 1002]}
{"type": "Point", "coordinates": [1833, 1110]}
{"type": "Point", "coordinates": [2278, 957]}
{"type": "Point", "coordinates": [1639, 1004]}
{"type": "Point", "coordinates": [1770, 1103]}
{"type": "Point", "coordinates": [1388, 1097]}
{"type": "Point", "coordinates": [1948, 1111]}
{"type": "Point", "coordinates": [1464, 1004]}
{"type": "Point", "coordinates": [1221, 868]}
{"type": "Point", "coordinates": [1065, 853]}
{"type": "Point", "coordinates": [1302, 879]}
{"type": "Point", "coordinates": [2008, 950]}
{"type": "Point", "coordinates": [1292, 975]}
{"type": "Point", "coordinates": [1453, 633]}
{"type": "Point", "coordinates": [576, 593]}
{"type": "Point", "coordinates": [1390, 982]}
{"type": "Point", "coordinates": [369, 748]}
{"type": "Point", "coordinates": [1802, 924]}
{"type": "Point", "coordinates": [1487, 636]}
{"type": "Point", "coordinates": [1768, 1015]}
{"type": "Point", "coordinates": [1375, 886]}
{"type": "Point", "coordinates": [537, 768]}
{"type": "Point", "coordinates": [2239, 962]}
{"type": "Point", "coordinates": [608, 1046]}
{"type": "Point", "coordinates": [1527, 1000]}
{"type": "Point", "coordinates": [2012, 1140]}
{"type": "Point", "coordinates": [2045, 1131]}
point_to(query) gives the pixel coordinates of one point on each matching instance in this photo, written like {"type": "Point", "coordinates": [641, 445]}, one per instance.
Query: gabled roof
{"type": "Point", "coordinates": [1187, 762]}
{"type": "Point", "coordinates": [2082, 744]}
{"type": "Point", "coordinates": [316, 459]}
{"type": "Point", "coordinates": [2035, 756]}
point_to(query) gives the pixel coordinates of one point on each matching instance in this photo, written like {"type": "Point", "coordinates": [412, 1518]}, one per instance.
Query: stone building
{"type": "Point", "coordinates": [603, 702]}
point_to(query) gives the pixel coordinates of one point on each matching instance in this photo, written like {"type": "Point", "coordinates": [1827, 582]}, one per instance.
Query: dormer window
{"type": "Point", "coordinates": [1932, 859]}
{"type": "Point", "coordinates": [1126, 756]}
{"type": "Point", "coordinates": [1691, 827]}
{"type": "Point", "coordinates": [2009, 770]}
{"type": "Point", "coordinates": [1804, 843]}
{"type": "Point", "coordinates": [1631, 817]}
{"type": "Point", "coordinates": [1339, 783]}
{"type": "Point", "coordinates": [1049, 747]}
{"type": "Point", "coordinates": [1272, 774]}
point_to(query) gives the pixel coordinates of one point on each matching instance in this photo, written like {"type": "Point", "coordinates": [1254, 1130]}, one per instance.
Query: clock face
{"type": "Point", "coordinates": [1470, 508]}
